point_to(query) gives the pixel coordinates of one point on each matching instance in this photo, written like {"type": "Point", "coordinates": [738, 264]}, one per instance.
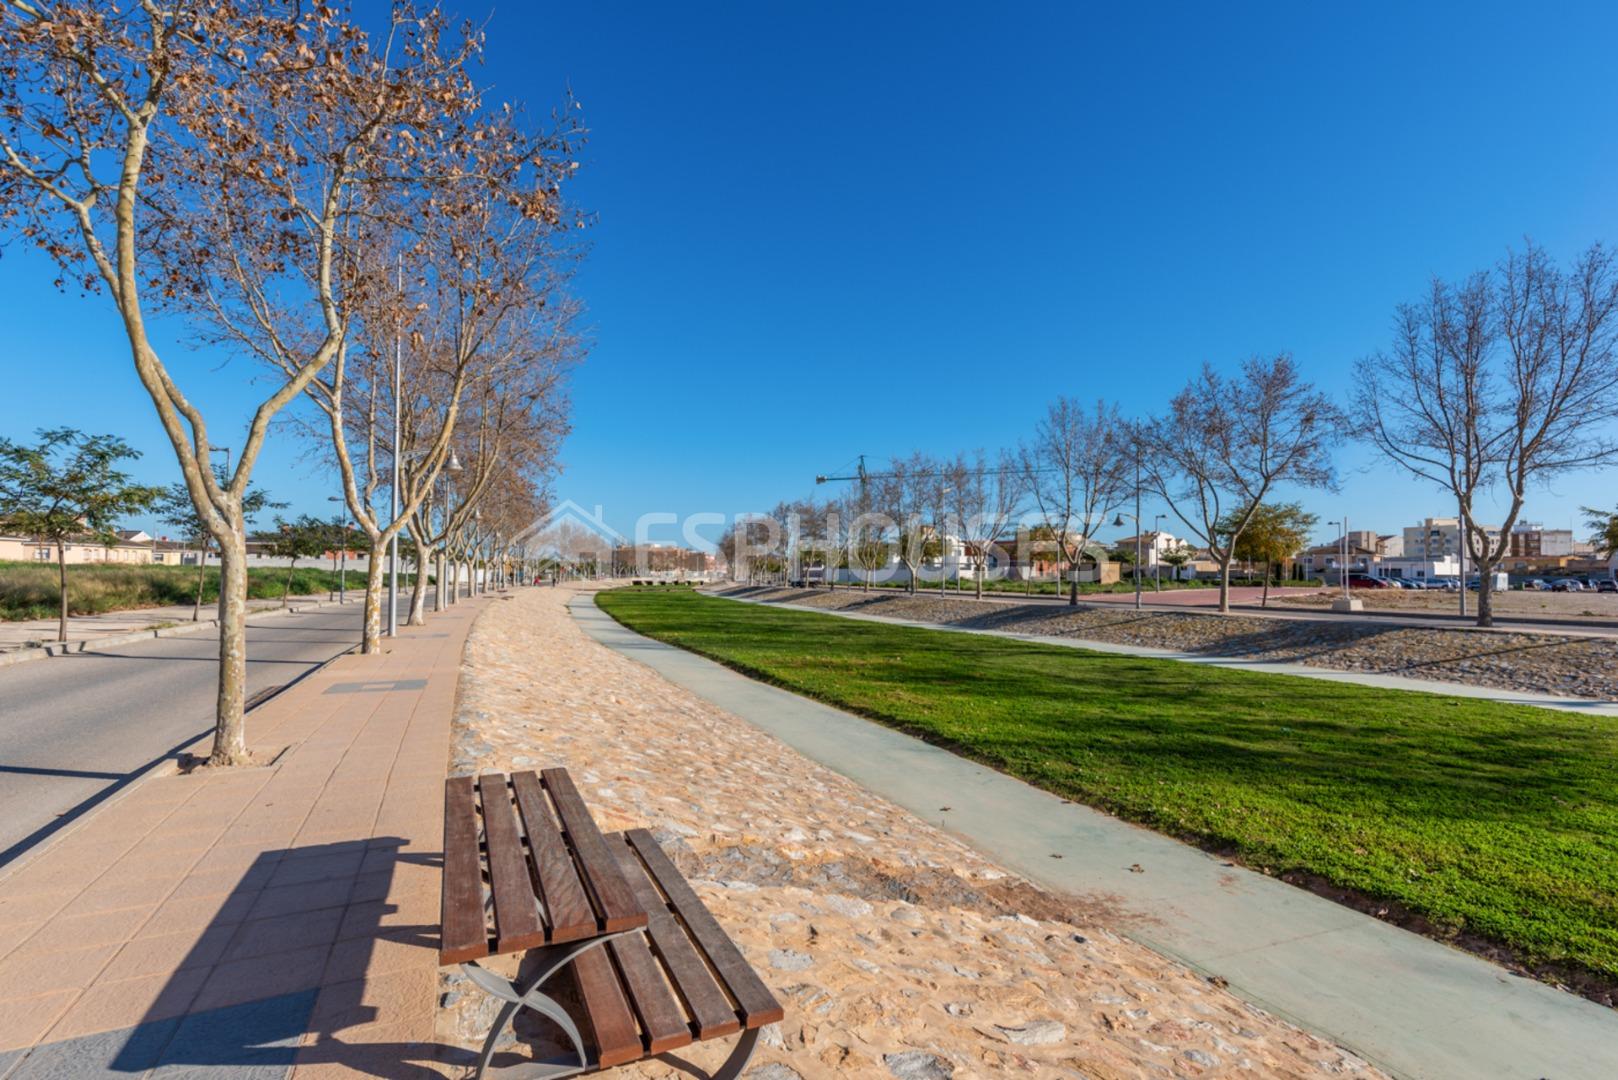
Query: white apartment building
{"type": "Point", "coordinates": [1438, 538]}
{"type": "Point", "coordinates": [1152, 546]}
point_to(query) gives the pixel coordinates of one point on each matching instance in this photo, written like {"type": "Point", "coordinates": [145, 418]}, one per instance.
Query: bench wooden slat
{"type": "Point", "coordinates": [661, 1018]}
{"type": "Point", "coordinates": [462, 934]}
{"type": "Point", "coordinates": [599, 869]}
{"type": "Point", "coordinates": [516, 917]}
{"type": "Point", "coordinates": [617, 1039]}
{"type": "Point", "coordinates": [758, 1006]}
{"type": "Point", "coordinates": [711, 1011]}
{"type": "Point", "coordinates": [566, 907]}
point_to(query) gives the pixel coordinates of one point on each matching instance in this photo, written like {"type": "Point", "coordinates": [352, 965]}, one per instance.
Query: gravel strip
{"type": "Point", "coordinates": [1540, 663]}
{"type": "Point", "coordinates": [897, 950]}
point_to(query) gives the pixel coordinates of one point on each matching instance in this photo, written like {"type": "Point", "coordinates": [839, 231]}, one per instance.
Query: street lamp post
{"type": "Point", "coordinates": [1157, 556]}
{"type": "Point", "coordinates": [1118, 523]}
{"type": "Point", "coordinates": [393, 494]}
{"type": "Point", "coordinates": [341, 521]}
{"type": "Point", "coordinates": [1342, 562]}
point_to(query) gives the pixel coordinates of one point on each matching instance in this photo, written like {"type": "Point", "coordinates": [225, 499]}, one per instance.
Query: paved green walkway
{"type": "Point", "coordinates": [1413, 1006]}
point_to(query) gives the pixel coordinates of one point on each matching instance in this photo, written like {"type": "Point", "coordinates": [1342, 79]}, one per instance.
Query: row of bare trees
{"type": "Point", "coordinates": [1219, 451]}
{"type": "Point", "coordinates": [1493, 388]}
{"type": "Point", "coordinates": [341, 203]}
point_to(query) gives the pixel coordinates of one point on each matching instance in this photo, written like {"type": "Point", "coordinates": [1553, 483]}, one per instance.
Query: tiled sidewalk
{"type": "Point", "coordinates": [248, 923]}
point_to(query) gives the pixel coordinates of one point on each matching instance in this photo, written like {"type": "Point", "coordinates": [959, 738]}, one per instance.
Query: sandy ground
{"type": "Point", "coordinates": [896, 950]}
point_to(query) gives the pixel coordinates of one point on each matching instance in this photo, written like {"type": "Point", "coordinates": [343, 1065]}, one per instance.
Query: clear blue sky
{"type": "Point", "coordinates": [808, 212]}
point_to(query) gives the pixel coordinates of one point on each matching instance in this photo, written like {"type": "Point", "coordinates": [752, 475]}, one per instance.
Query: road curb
{"type": "Point", "coordinates": [66, 648]}
{"type": "Point", "coordinates": [170, 766]}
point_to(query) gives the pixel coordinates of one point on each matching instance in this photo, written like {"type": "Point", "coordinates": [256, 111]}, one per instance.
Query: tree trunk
{"type": "Point", "coordinates": [371, 638]}
{"type": "Point", "coordinates": [1485, 595]}
{"type": "Point", "coordinates": [440, 579]}
{"type": "Point", "coordinates": [1224, 583]}
{"type": "Point", "coordinates": [1073, 585]}
{"type": "Point", "coordinates": [230, 730]}
{"type": "Point", "coordinates": [61, 570]}
{"type": "Point", "coordinates": [418, 593]}
{"type": "Point", "coordinates": [983, 569]}
{"type": "Point", "coordinates": [286, 589]}
{"type": "Point", "coordinates": [1265, 602]}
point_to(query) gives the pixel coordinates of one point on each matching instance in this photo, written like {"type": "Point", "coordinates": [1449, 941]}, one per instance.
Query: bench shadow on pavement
{"type": "Point", "coordinates": [277, 978]}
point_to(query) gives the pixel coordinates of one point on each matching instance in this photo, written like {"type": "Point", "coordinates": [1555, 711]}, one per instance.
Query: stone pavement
{"type": "Point", "coordinates": [252, 922]}
{"type": "Point", "coordinates": [29, 633]}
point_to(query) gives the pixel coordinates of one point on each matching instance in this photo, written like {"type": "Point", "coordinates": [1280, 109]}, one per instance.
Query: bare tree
{"type": "Point", "coordinates": [144, 146]}
{"type": "Point", "coordinates": [985, 501]}
{"type": "Point", "coordinates": [902, 496]}
{"type": "Point", "coordinates": [1226, 443]}
{"type": "Point", "coordinates": [1497, 385]}
{"type": "Point", "coordinates": [1077, 470]}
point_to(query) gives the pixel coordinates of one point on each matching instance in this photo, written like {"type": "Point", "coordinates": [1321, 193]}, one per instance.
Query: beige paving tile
{"type": "Point", "coordinates": [285, 933]}
{"type": "Point", "coordinates": [35, 906]}
{"type": "Point", "coordinates": [302, 897]}
{"type": "Point", "coordinates": [394, 997]}
{"type": "Point", "coordinates": [64, 969]}
{"type": "Point", "coordinates": [23, 1021]}
{"type": "Point", "coordinates": [112, 893]}
{"type": "Point", "coordinates": [194, 913]}
{"type": "Point", "coordinates": [85, 931]}
{"type": "Point", "coordinates": [168, 952]}
{"type": "Point", "coordinates": [253, 979]}
{"type": "Point", "coordinates": [109, 1006]}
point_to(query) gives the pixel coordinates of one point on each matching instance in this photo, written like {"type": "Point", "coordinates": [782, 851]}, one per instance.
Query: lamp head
{"type": "Point", "coordinates": [454, 464]}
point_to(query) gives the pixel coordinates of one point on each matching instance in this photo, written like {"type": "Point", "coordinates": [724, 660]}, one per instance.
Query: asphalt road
{"type": "Point", "coordinates": [75, 729]}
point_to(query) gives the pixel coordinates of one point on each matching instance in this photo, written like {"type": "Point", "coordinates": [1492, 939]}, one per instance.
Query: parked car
{"type": "Point", "coordinates": [1606, 584]}
{"type": "Point", "coordinates": [1366, 581]}
{"type": "Point", "coordinates": [1537, 584]}
{"type": "Point", "coordinates": [1567, 584]}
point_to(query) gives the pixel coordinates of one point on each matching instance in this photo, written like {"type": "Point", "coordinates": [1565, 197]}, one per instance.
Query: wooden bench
{"type": "Point", "coordinates": [526, 870]}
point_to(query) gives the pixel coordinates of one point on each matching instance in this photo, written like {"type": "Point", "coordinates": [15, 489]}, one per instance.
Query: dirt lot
{"type": "Point", "coordinates": [1571, 606]}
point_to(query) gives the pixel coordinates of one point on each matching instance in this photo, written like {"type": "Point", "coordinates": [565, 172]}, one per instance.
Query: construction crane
{"type": "Point", "coordinates": [861, 474]}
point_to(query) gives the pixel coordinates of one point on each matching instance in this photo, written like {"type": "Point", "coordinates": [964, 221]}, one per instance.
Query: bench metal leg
{"type": "Point", "coordinates": [525, 994]}
{"type": "Point", "coordinates": [733, 1066]}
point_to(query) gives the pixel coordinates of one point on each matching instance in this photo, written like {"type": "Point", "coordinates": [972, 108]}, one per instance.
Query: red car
{"type": "Point", "coordinates": [1366, 581]}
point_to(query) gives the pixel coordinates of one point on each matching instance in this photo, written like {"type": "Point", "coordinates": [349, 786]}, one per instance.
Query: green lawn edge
{"type": "Point", "coordinates": [1487, 822]}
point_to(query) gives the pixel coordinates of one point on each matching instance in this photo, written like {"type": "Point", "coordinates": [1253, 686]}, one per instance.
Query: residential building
{"type": "Point", "coordinates": [1362, 557]}
{"type": "Point", "coordinates": [631, 559]}
{"type": "Point", "coordinates": [130, 548]}
{"type": "Point", "coordinates": [1152, 546]}
{"type": "Point", "coordinates": [1436, 538]}
{"type": "Point", "coordinates": [1530, 540]}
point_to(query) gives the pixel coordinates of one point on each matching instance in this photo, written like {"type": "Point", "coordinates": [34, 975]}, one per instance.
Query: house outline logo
{"type": "Point", "coordinates": [569, 512]}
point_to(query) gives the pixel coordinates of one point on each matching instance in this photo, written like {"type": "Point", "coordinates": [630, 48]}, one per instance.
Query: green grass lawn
{"type": "Point", "coordinates": [29, 590]}
{"type": "Point", "coordinates": [1500, 821]}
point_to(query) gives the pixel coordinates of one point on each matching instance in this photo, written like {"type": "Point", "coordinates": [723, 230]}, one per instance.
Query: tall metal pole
{"type": "Point", "coordinates": [1460, 550]}
{"type": "Point", "coordinates": [393, 500]}
{"type": "Point", "coordinates": [1157, 553]}
{"type": "Point", "coordinates": [1345, 557]}
{"type": "Point", "coordinates": [1137, 532]}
